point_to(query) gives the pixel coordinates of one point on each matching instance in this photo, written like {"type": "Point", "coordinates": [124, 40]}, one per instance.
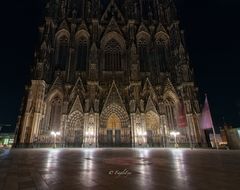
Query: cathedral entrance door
{"type": "Point", "coordinates": [117, 137]}
{"type": "Point", "coordinates": [149, 138]}
{"type": "Point", "coordinates": [153, 129]}
{"type": "Point", "coordinates": [73, 134]}
{"type": "Point", "coordinates": [78, 138]}
{"type": "Point", "coordinates": [113, 131]}
{"type": "Point", "coordinates": [109, 137]}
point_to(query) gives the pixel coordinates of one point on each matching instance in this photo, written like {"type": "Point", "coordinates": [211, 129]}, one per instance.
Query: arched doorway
{"type": "Point", "coordinates": [114, 128]}
{"type": "Point", "coordinates": [73, 134]}
{"type": "Point", "coordinates": [153, 129]}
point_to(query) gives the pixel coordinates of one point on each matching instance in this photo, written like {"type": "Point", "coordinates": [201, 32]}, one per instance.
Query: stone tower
{"type": "Point", "coordinates": [110, 73]}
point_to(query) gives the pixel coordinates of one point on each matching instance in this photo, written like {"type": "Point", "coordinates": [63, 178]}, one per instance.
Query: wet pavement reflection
{"type": "Point", "coordinates": [124, 168]}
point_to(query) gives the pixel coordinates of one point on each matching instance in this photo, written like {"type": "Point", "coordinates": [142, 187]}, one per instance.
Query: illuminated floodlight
{"type": "Point", "coordinates": [55, 134]}
{"type": "Point", "coordinates": [140, 133]}
{"type": "Point", "coordinates": [175, 134]}
{"type": "Point", "coordinates": [58, 133]}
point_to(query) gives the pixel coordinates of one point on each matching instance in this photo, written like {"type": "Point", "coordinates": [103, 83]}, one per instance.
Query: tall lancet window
{"type": "Point", "coordinates": [112, 55]}
{"type": "Point", "coordinates": [82, 52]}
{"type": "Point", "coordinates": [55, 113]}
{"type": "Point", "coordinates": [143, 55]}
{"type": "Point", "coordinates": [161, 54]}
{"type": "Point", "coordinates": [62, 53]}
{"type": "Point", "coordinates": [171, 115]}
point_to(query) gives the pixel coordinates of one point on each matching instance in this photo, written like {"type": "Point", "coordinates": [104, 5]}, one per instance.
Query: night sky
{"type": "Point", "coordinates": [212, 37]}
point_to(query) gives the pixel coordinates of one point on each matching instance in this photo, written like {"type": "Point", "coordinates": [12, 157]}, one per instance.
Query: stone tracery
{"type": "Point", "coordinates": [109, 64]}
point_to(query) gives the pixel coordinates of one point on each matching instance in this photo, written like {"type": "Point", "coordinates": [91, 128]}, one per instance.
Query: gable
{"type": "Point", "coordinates": [112, 10]}
{"type": "Point", "coordinates": [150, 106]}
{"type": "Point", "coordinates": [77, 106]}
{"type": "Point", "coordinates": [114, 97]}
{"type": "Point", "coordinates": [112, 26]}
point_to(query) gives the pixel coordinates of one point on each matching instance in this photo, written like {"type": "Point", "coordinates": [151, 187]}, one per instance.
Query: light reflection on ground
{"type": "Point", "coordinates": [119, 169]}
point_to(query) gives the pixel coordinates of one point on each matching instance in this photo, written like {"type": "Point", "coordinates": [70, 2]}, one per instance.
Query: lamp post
{"type": "Point", "coordinates": [55, 134]}
{"type": "Point", "coordinates": [175, 134]}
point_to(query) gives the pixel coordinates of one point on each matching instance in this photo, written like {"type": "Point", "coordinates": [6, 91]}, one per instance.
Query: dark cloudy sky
{"type": "Point", "coordinates": [212, 33]}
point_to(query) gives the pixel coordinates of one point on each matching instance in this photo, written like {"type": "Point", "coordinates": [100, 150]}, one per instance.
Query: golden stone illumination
{"type": "Point", "coordinates": [108, 75]}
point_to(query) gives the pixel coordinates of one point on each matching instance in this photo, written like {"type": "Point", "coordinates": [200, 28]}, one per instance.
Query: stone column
{"type": "Point", "coordinates": [23, 128]}
{"type": "Point", "coordinates": [132, 125]}
{"type": "Point", "coordinates": [97, 128]}
{"type": "Point", "coordinates": [144, 128]}
{"type": "Point", "coordinates": [85, 128]}
{"type": "Point", "coordinates": [38, 91]}
{"type": "Point", "coordinates": [63, 129]}
{"type": "Point", "coordinates": [163, 126]}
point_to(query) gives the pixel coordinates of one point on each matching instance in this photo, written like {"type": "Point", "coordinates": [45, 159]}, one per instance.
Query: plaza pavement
{"type": "Point", "coordinates": [119, 169]}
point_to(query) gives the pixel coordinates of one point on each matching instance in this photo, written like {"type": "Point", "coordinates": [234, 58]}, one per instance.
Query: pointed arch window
{"type": "Point", "coordinates": [161, 57]}
{"type": "Point", "coordinates": [55, 113]}
{"type": "Point", "coordinates": [171, 114]}
{"type": "Point", "coordinates": [62, 53]}
{"type": "Point", "coordinates": [112, 55]}
{"type": "Point", "coordinates": [143, 55]}
{"type": "Point", "coordinates": [82, 52]}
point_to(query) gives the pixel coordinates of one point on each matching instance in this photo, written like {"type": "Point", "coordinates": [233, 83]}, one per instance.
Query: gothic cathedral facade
{"type": "Point", "coordinates": [110, 73]}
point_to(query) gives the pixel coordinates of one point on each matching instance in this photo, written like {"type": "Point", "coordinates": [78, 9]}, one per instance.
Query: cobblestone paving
{"type": "Point", "coordinates": [113, 169]}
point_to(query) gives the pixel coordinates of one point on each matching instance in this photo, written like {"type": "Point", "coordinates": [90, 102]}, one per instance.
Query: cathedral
{"type": "Point", "coordinates": [110, 73]}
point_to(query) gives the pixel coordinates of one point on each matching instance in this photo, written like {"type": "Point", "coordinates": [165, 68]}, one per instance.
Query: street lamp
{"type": "Point", "coordinates": [175, 134]}
{"type": "Point", "coordinates": [55, 134]}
